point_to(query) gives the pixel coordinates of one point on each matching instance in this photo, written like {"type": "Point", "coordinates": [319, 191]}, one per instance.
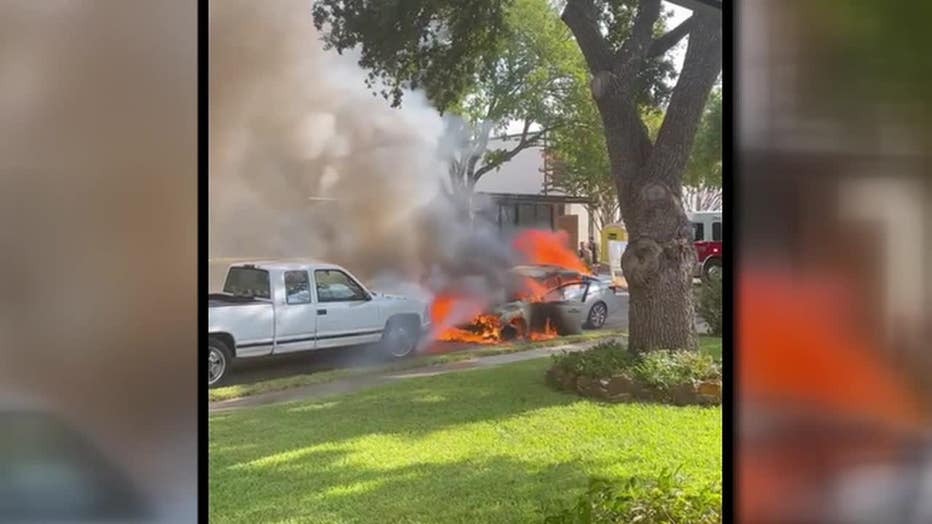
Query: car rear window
{"type": "Point", "coordinates": [247, 281]}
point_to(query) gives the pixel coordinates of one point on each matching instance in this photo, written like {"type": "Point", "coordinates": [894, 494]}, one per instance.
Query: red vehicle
{"type": "Point", "coordinates": [707, 237]}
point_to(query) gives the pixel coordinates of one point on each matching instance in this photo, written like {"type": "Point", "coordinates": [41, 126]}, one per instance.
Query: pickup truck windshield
{"type": "Point", "coordinates": [247, 281]}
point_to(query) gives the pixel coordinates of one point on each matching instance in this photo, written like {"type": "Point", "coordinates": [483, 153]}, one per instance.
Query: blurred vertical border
{"type": "Point", "coordinates": [99, 256]}
{"type": "Point", "coordinates": [831, 186]}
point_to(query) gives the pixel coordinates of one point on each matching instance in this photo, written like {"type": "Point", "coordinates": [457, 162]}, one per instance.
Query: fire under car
{"type": "Point", "coordinates": [542, 302]}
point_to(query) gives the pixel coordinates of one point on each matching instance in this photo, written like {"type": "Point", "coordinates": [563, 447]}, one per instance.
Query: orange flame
{"type": "Point", "coordinates": [548, 333]}
{"type": "Point", "coordinates": [450, 310]}
{"type": "Point", "coordinates": [532, 290]}
{"type": "Point", "coordinates": [550, 248]}
{"type": "Point", "coordinates": [462, 319]}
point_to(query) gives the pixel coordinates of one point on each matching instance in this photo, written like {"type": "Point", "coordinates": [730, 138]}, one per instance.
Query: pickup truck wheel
{"type": "Point", "coordinates": [218, 362]}
{"type": "Point", "coordinates": [400, 338]}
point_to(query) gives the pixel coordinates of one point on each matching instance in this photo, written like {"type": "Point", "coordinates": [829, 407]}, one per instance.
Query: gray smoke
{"type": "Point", "coordinates": [306, 162]}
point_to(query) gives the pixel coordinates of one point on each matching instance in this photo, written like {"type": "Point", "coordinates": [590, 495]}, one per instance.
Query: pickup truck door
{"type": "Point", "coordinates": [346, 313]}
{"type": "Point", "coordinates": [295, 315]}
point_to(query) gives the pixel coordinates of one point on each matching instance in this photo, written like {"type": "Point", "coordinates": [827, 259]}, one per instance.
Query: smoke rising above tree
{"type": "Point", "coordinates": [305, 162]}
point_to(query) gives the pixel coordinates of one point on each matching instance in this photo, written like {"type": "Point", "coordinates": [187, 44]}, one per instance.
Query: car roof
{"type": "Point", "coordinates": [287, 264]}
{"type": "Point", "coordinates": [540, 270]}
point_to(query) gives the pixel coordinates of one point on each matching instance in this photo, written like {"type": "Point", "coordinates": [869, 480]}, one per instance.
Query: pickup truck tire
{"type": "Point", "coordinates": [219, 360]}
{"type": "Point", "coordinates": [400, 336]}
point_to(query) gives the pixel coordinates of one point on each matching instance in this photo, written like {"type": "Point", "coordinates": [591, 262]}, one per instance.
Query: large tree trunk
{"type": "Point", "coordinates": [658, 266]}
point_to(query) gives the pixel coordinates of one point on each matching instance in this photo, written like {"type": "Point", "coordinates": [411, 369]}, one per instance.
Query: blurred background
{"type": "Point", "coordinates": [832, 214]}
{"type": "Point", "coordinates": [98, 250]}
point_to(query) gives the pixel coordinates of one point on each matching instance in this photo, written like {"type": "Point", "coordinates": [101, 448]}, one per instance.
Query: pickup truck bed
{"type": "Point", "coordinates": [224, 300]}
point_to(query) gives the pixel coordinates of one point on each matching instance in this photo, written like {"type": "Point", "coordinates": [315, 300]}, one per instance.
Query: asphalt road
{"type": "Point", "coordinates": [264, 368]}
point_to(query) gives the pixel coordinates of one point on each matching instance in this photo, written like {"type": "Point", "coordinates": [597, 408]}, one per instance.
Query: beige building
{"type": "Point", "coordinates": [516, 197]}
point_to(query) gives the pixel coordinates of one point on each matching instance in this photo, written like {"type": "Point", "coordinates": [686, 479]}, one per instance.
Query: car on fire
{"type": "Point", "coordinates": [276, 307]}
{"type": "Point", "coordinates": [543, 300]}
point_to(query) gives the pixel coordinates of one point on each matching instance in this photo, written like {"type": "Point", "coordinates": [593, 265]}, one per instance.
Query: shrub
{"type": "Point", "coordinates": [665, 370]}
{"type": "Point", "coordinates": [609, 372]}
{"type": "Point", "coordinates": [663, 499]}
{"type": "Point", "coordinates": [601, 360]}
{"type": "Point", "coordinates": [709, 303]}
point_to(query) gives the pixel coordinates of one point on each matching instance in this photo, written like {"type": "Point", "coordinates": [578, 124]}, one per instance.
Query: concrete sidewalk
{"type": "Point", "coordinates": [360, 383]}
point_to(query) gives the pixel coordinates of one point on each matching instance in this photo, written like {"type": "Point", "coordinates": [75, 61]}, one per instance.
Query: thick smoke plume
{"type": "Point", "coordinates": [306, 162]}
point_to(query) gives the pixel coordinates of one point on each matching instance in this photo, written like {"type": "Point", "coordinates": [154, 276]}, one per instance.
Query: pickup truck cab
{"type": "Point", "coordinates": [272, 308]}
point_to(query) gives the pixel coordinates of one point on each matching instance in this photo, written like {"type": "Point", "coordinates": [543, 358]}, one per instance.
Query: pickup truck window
{"type": "Point", "coordinates": [247, 281]}
{"type": "Point", "coordinates": [297, 287]}
{"type": "Point", "coordinates": [717, 231]}
{"type": "Point", "coordinates": [337, 286]}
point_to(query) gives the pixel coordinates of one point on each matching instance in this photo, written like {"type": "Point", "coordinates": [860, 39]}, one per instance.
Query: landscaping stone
{"type": "Point", "coordinates": [618, 384]}
{"type": "Point", "coordinates": [683, 394]}
{"type": "Point", "coordinates": [709, 400]}
{"type": "Point", "coordinates": [620, 388]}
{"type": "Point", "coordinates": [710, 388]}
{"type": "Point", "coordinates": [621, 397]}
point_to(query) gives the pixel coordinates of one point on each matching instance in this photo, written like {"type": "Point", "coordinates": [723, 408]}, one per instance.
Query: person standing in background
{"type": "Point", "coordinates": [583, 252]}
{"type": "Point", "coordinates": [593, 252]}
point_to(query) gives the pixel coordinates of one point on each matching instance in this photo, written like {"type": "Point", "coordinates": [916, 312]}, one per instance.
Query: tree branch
{"type": "Point", "coordinates": [527, 140]}
{"type": "Point", "coordinates": [485, 129]}
{"type": "Point", "coordinates": [635, 47]}
{"type": "Point", "coordinates": [701, 67]}
{"type": "Point", "coordinates": [581, 17]}
{"type": "Point", "coordinates": [662, 44]}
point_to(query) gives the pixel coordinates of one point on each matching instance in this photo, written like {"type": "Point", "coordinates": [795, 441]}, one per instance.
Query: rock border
{"type": "Point", "coordinates": [620, 388]}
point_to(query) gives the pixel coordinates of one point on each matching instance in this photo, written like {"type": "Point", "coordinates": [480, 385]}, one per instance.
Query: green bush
{"type": "Point", "coordinates": [601, 360]}
{"type": "Point", "coordinates": [664, 499]}
{"type": "Point", "coordinates": [664, 370]}
{"type": "Point", "coordinates": [709, 303]}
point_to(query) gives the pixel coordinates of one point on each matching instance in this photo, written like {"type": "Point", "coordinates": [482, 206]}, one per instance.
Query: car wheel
{"type": "Point", "coordinates": [597, 315]}
{"type": "Point", "coordinates": [400, 338]}
{"type": "Point", "coordinates": [219, 359]}
{"type": "Point", "coordinates": [712, 269]}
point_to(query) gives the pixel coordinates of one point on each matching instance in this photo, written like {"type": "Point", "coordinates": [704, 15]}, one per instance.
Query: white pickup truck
{"type": "Point", "coordinates": [270, 308]}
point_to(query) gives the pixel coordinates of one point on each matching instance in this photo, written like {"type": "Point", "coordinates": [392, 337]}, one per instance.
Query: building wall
{"type": "Point", "coordinates": [522, 175]}
{"type": "Point", "coordinates": [586, 229]}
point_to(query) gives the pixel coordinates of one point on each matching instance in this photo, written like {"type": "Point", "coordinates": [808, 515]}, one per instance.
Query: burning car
{"type": "Point", "coordinates": [541, 302]}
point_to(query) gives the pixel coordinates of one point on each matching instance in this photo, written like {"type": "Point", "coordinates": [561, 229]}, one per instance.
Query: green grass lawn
{"type": "Point", "coordinates": [492, 445]}
{"type": "Point", "coordinates": [712, 346]}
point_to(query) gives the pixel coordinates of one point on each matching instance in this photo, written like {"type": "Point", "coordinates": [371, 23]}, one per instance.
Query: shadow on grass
{"type": "Point", "coordinates": [411, 408]}
{"type": "Point", "coordinates": [324, 486]}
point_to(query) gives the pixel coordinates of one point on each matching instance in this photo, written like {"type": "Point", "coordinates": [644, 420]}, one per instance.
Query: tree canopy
{"type": "Point", "coordinates": [536, 69]}
{"type": "Point", "coordinates": [435, 45]}
{"type": "Point", "coordinates": [705, 162]}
